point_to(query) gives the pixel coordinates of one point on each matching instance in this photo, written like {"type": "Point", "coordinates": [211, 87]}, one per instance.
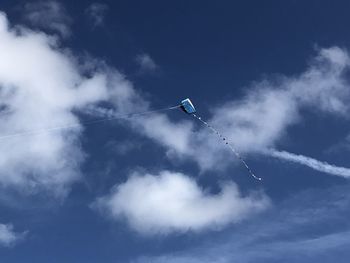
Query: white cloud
{"type": "Point", "coordinates": [48, 15]}
{"type": "Point", "coordinates": [41, 87]}
{"type": "Point", "coordinates": [146, 63]}
{"type": "Point", "coordinates": [310, 162]}
{"type": "Point", "coordinates": [8, 237]}
{"type": "Point", "coordinates": [318, 249]}
{"type": "Point", "coordinates": [175, 136]}
{"type": "Point", "coordinates": [258, 120]}
{"type": "Point", "coordinates": [263, 116]}
{"type": "Point", "coordinates": [168, 202]}
{"type": "Point", "coordinates": [96, 12]}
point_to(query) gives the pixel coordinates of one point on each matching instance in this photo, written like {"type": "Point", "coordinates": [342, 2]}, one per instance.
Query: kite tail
{"type": "Point", "coordinates": [239, 157]}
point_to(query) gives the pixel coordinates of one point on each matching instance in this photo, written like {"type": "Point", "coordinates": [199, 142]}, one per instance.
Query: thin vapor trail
{"type": "Point", "coordinates": [310, 162]}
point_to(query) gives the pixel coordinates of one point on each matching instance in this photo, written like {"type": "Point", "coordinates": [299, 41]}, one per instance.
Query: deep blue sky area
{"type": "Point", "coordinates": [211, 52]}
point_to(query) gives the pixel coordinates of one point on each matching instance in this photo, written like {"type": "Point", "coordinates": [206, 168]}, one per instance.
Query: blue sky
{"type": "Point", "coordinates": [273, 77]}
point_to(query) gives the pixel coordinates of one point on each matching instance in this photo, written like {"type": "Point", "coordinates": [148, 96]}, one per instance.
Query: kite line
{"type": "Point", "coordinates": [86, 123]}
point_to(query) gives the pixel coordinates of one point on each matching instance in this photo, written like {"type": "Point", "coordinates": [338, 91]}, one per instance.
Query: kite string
{"type": "Point", "coordinates": [73, 125]}
{"type": "Point", "coordinates": [239, 157]}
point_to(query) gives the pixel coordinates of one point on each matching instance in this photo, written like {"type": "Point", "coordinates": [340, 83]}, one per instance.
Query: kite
{"type": "Point", "coordinates": [187, 106]}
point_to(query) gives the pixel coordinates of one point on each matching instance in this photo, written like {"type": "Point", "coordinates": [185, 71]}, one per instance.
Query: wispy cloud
{"type": "Point", "coordinates": [339, 147]}
{"type": "Point", "coordinates": [173, 202]}
{"type": "Point", "coordinates": [123, 147]}
{"type": "Point", "coordinates": [292, 231]}
{"type": "Point", "coordinates": [8, 237]}
{"type": "Point", "coordinates": [49, 15]}
{"type": "Point", "coordinates": [146, 63]}
{"type": "Point", "coordinates": [310, 162]}
{"type": "Point", "coordinates": [325, 248]}
{"type": "Point", "coordinates": [96, 12]}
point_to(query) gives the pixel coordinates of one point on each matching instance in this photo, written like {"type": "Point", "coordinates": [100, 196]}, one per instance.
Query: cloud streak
{"type": "Point", "coordinates": [310, 162]}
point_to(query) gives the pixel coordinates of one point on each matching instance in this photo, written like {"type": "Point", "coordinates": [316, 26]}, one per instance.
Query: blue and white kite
{"type": "Point", "coordinates": [187, 106]}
